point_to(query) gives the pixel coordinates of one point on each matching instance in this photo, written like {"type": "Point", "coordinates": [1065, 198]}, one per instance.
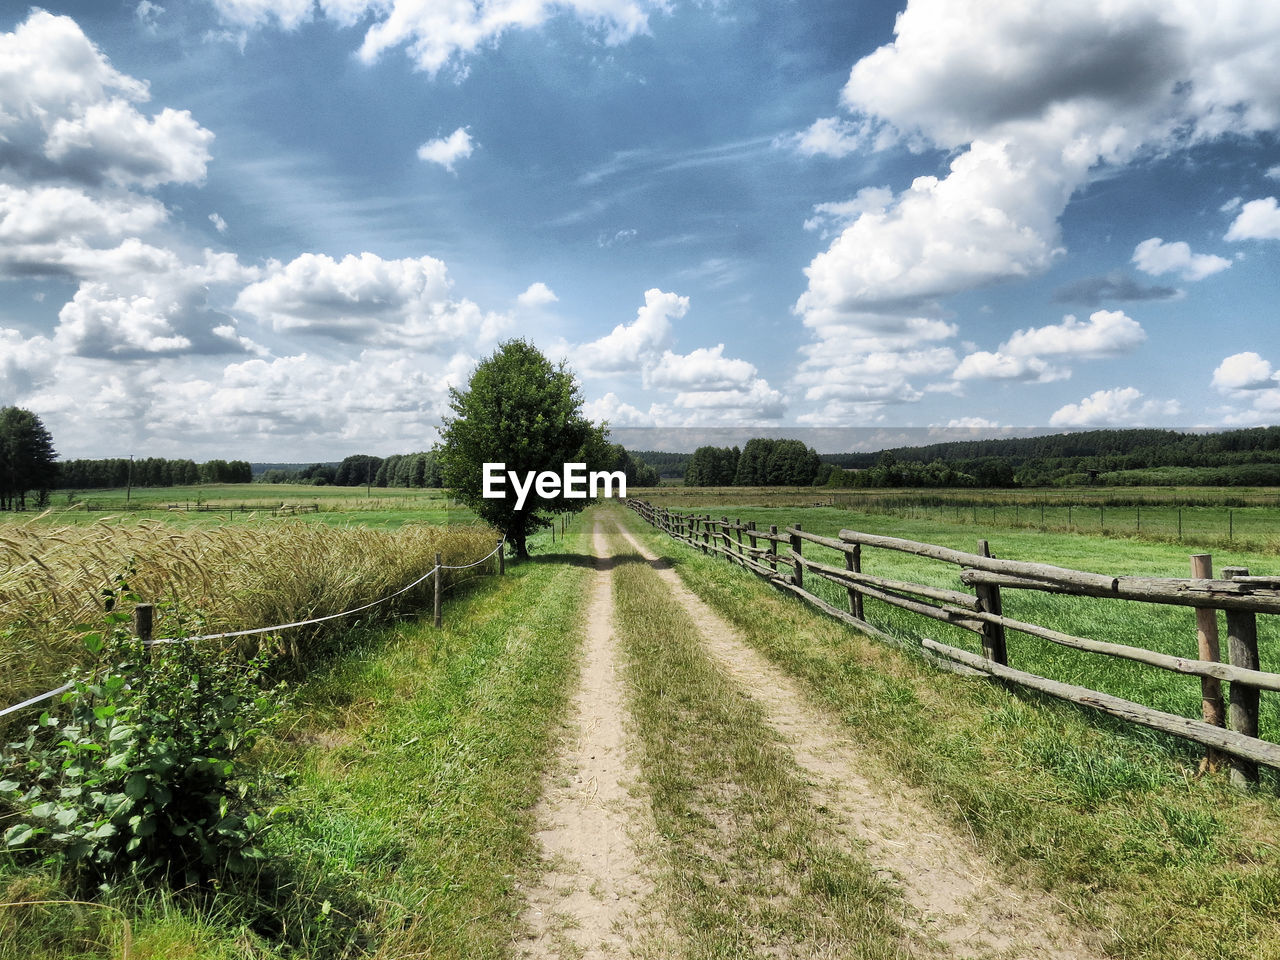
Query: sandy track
{"type": "Point", "coordinates": [943, 875]}
{"type": "Point", "coordinates": [591, 898]}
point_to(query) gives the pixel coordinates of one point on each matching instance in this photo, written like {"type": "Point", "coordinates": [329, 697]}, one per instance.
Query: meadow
{"type": "Point", "coordinates": [1238, 518]}
{"type": "Point", "coordinates": [1163, 628]}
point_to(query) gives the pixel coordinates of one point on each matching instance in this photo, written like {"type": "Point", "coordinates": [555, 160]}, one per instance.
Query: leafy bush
{"type": "Point", "coordinates": [143, 773]}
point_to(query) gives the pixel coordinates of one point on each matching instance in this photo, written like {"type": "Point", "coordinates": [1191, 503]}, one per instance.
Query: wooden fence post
{"type": "Point", "coordinates": [1242, 647]}
{"type": "Point", "coordinates": [143, 624]}
{"type": "Point", "coordinates": [502, 560]}
{"type": "Point", "coordinates": [773, 547]}
{"type": "Point", "coordinates": [1207, 649]}
{"type": "Point", "coordinates": [725, 539]}
{"type": "Point", "coordinates": [437, 588]}
{"type": "Point", "coordinates": [751, 538]}
{"type": "Point", "coordinates": [706, 534]}
{"type": "Point", "coordinates": [798, 577]}
{"type": "Point", "coordinates": [853, 563]}
{"type": "Point", "coordinates": [993, 639]}
{"type": "Point", "coordinates": [738, 524]}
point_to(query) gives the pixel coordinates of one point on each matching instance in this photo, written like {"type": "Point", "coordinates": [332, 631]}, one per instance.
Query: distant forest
{"type": "Point", "coordinates": [1139, 457]}
{"type": "Point", "coordinates": [1136, 457]}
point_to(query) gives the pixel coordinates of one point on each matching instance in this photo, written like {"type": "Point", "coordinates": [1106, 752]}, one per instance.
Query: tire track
{"type": "Point", "coordinates": [591, 901]}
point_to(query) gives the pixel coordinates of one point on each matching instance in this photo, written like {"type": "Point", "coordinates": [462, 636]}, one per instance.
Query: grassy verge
{"type": "Point", "coordinates": [417, 758]}
{"type": "Point", "coordinates": [752, 869]}
{"type": "Point", "coordinates": [1102, 815]}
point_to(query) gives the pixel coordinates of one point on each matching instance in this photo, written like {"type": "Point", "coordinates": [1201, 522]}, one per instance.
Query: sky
{"type": "Point", "coordinates": [280, 230]}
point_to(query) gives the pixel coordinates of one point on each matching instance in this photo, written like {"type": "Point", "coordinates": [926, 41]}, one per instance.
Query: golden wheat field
{"type": "Point", "coordinates": [233, 577]}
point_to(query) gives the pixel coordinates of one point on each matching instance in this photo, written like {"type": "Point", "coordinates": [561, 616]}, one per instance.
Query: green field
{"type": "Point", "coordinates": [238, 502]}
{"type": "Point", "coordinates": [1167, 629]}
{"type": "Point", "coordinates": [1237, 518]}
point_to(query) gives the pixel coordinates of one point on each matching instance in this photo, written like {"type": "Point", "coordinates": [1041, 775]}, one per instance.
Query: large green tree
{"type": "Point", "coordinates": [521, 410]}
{"type": "Point", "coordinates": [27, 459]}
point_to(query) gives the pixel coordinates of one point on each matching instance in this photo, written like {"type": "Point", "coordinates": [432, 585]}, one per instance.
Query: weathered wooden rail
{"type": "Point", "coordinates": [778, 556]}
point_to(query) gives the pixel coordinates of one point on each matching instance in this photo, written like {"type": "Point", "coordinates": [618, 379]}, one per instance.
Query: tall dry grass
{"type": "Point", "coordinates": [234, 577]}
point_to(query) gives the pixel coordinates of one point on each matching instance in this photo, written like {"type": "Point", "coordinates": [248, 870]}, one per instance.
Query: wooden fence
{"type": "Point", "coordinates": [778, 557]}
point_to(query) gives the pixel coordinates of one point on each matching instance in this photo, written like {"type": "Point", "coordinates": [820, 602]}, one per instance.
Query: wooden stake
{"type": "Point", "coordinates": [993, 639]}
{"type": "Point", "coordinates": [1242, 647]}
{"type": "Point", "coordinates": [1207, 649]}
{"type": "Point", "coordinates": [437, 589]}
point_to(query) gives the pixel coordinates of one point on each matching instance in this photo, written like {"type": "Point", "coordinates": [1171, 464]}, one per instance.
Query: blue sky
{"type": "Point", "coordinates": [280, 230]}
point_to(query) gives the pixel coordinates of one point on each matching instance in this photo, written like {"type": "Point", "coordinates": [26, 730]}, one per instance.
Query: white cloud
{"type": "Point", "coordinates": [367, 299]}
{"type": "Point", "coordinates": [728, 390]}
{"type": "Point", "coordinates": [867, 200]}
{"type": "Point", "coordinates": [633, 346]}
{"type": "Point", "coordinates": [1107, 333]}
{"type": "Point", "coordinates": [448, 150]}
{"type": "Point", "coordinates": [439, 34]}
{"type": "Point", "coordinates": [1244, 371]}
{"type": "Point", "coordinates": [148, 15]}
{"type": "Point", "coordinates": [1155, 257]}
{"type": "Point", "coordinates": [612, 410]}
{"type": "Point", "coordinates": [1274, 172]}
{"type": "Point", "coordinates": [705, 369]}
{"type": "Point", "coordinates": [537, 295]}
{"type": "Point", "coordinates": [1258, 220]}
{"type": "Point", "coordinates": [1122, 406]}
{"type": "Point", "coordinates": [1031, 100]}
{"type": "Point", "coordinates": [972, 423]}
{"type": "Point", "coordinates": [831, 137]}
{"type": "Point", "coordinates": [25, 363]}
{"type": "Point", "coordinates": [70, 115]}
{"type": "Point", "coordinates": [218, 223]}
{"type": "Point", "coordinates": [984, 365]}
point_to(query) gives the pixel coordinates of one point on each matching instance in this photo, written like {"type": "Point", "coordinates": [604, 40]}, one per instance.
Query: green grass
{"type": "Point", "coordinates": [417, 757]}
{"type": "Point", "coordinates": [219, 504]}
{"type": "Point", "coordinates": [1106, 816]}
{"type": "Point", "coordinates": [751, 869]}
{"type": "Point", "coordinates": [1216, 517]}
{"type": "Point", "coordinates": [1168, 629]}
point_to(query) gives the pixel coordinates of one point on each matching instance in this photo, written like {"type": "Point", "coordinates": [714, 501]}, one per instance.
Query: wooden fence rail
{"type": "Point", "coordinates": [1242, 597]}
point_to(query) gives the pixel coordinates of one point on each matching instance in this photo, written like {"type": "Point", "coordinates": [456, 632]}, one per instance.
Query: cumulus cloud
{"type": "Point", "coordinates": [25, 363]}
{"type": "Point", "coordinates": [727, 389]}
{"type": "Point", "coordinates": [218, 223]}
{"type": "Point", "coordinates": [1107, 333]}
{"type": "Point", "coordinates": [831, 137]}
{"type": "Point", "coordinates": [1031, 100]}
{"type": "Point", "coordinates": [985, 365]}
{"type": "Point", "coordinates": [705, 369]}
{"type": "Point", "coordinates": [635, 345]}
{"type": "Point", "coordinates": [1122, 406]}
{"type": "Point", "coordinates": [1244, 371]}
{"type": "Point", "coordinates": [70, 115]}
{"type": "Point", "coordinates": [537, 295]}
{"type": "Point", "coordinates": [1257, 220]}
{"type": "Point", "coordinates": [1155, 257]}
{"type": "Point", "coordinates": [436, 34]}
{"type": "Point", "coordinates": [367, 299]}
{"type": "Point", "coordinates": [448, 150]}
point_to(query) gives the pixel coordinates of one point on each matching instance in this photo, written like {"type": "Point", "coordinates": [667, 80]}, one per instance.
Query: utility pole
{"type": "Point", "coordinates": [128, 487]}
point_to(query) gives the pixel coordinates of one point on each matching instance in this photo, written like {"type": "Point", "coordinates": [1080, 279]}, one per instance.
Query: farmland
{"type": "Point", "coordinates": [783, 782]}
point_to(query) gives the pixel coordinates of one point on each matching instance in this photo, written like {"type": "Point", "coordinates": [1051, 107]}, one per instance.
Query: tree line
{"type": "Point", "coordinates": [148, 472]}
{"type": "Point", "coordinates": [762, 462]}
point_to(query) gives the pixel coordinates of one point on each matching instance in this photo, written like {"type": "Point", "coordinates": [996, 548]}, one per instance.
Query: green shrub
{"type": "Point", "coordinates": [142, 771]}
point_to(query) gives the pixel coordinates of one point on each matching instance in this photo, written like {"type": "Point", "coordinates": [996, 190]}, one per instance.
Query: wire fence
{"type": "Point", "coordinates": [152, 642]}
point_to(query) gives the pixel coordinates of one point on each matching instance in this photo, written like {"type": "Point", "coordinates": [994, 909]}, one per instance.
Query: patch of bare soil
{"type": "Point", "coordinates": [591, 899]}
{"type": "Point", "coordinates": [960, 898]}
